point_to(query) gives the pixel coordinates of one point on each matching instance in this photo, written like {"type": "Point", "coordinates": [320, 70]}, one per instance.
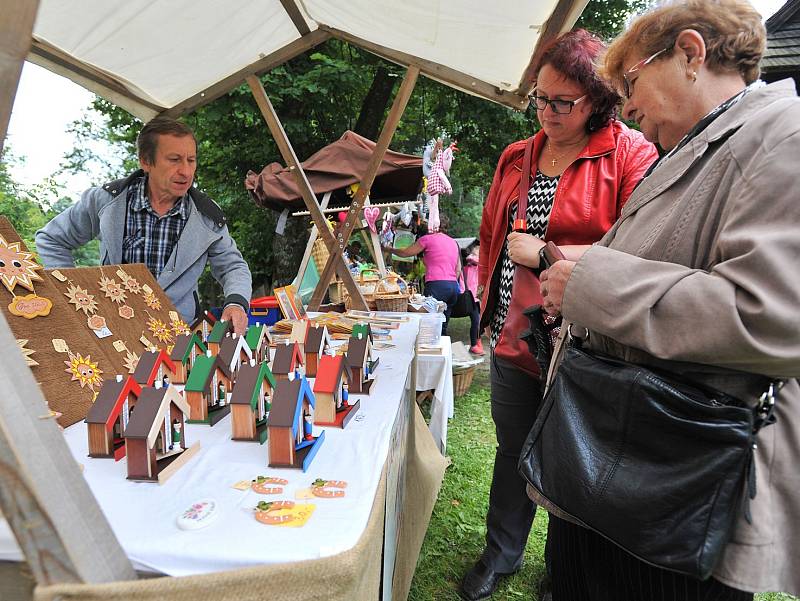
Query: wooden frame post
{"type": "Point", "coordinates": [54, 516]}
{"type": "Point", "coordinates": [335, 248]}
{"type": "Point", "coordinates": [381, 146]}
{"type": "Point", "coordinates": [16, 34]}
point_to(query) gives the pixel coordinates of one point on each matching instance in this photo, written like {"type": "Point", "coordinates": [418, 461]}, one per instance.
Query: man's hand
{"type": "Point", "coordinates": [553, 282]}
{"type": "Point", "coordinates": [237, 315]}
{"type": "Point", "coordinates": [523, 249]}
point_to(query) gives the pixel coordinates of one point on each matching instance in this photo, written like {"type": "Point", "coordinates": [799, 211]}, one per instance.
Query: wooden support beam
{"type": "Point", "coordinates": [54, 516]}
{"type": "Point", "coordinates": [269, 62]}
{"type": "Point", "coordinates": [381, 146]}
{"type": "Point", "coordinates": [335, 248]}
{"type": "Point", "coordinates": [16, 28]}
{"type": "Point", "coordinates": [565, 13]}
{"type": "Point", "coordinates": [291, 8]}
{"type": "Point", "coordinates": [446, 75]}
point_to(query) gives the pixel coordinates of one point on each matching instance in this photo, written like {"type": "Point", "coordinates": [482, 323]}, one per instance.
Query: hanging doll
{"type": "Point", "coordinates": [387, 229]}
{"type": "Point", "coordinates": [438, 182]}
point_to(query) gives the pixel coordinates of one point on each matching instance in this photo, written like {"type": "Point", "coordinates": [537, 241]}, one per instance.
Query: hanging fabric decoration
{"type": "Point", "coordinates": [371, 214]}
{"type": "Point", "coordinates": [438, 183]}
{"type": "Point", "coordinates": [84, 370]}
{"type": "Point", "coordinates": [18, 268]}
{"type": "Point", "coordinates": [112, 289]}
{"type": "Point", "coordinates": [26, 352]}
{"type": "Point", "coordinates": [81, 298]}
{"type": "Point", "coordinates": [130, 283]}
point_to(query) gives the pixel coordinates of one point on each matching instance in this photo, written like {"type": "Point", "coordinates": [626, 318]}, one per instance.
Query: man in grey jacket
{"type": "Point", "coordinates": [156, 217]}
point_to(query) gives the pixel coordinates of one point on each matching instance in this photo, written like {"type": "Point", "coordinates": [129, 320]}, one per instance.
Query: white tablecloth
{"type": "Point", "coordinates": [435, 372]}
{"type": "Point", "coordinates": [143, 515]}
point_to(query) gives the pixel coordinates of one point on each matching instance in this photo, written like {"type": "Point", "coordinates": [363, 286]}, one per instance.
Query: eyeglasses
{"type": "Point", "coordinates": [627, 84]}
{"type": "Point", "coordinates": [560, 107]}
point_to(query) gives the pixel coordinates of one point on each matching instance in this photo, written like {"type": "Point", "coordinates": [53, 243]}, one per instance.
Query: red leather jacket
{"type": "Point", "coordinates": [588, 200]}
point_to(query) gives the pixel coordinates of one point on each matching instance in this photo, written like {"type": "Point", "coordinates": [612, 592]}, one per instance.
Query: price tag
{"type": "Point", "coordinates": [119, 346]}
{"type": "Point", "coordinates": [173, 316]}
{"type": "Point", "coordinates": [60, 345]}
{"type": "Point", "coordinates": [147, 289]}
{"type": "Point", "coordinates": [122, 274]}
{"type": "Point", "coordinates": [58, 275]}
{"type": "Point", "coordinates": [146, 342]}
{"type": "Point", "coordinates": [103, 332]}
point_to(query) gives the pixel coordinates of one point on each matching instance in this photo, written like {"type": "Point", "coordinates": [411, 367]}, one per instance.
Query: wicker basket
{"type": "Point", "coordinates": [396, 304]}
{"type": "Point", "coordinates": [391, 294]}
{"type": "Point", "coordinates": [320, 254]}
{"type": "Point", "coordinates": [462, 379]}
{"type": "Point", "coordinates": [365, 283]}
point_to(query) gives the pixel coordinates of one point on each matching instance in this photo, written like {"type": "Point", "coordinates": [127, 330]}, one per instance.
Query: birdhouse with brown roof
{"type": "Point", "coordinates": [250, 402]}
{"type": "Point", "coordinates": [108, 417]}
{"type": "Point", "coordinates": [155, 436]}
{"type": "Point", "coordinates": [258, 339]}
{"type": "Point", "coordinates": [203, 325]}
{"type": "Point", "coordinates": [290, 425]}
{"type": "Point", "coordinates": [287, 359]}
{"type": "Point", "coordinates": [154, 366]}
{"type": "Point", "coordinates": [331, 392]}
{"type": "Point", "coordinates": [207, 390]}
{"type": "Point", "coordinates": [316, 343]}
{"type": "Point", "coordinates": [233, 352]}
{"type": "Point", "coordinates": [184, 353]}
{"type": "Point", "coordinates": [360, 363]}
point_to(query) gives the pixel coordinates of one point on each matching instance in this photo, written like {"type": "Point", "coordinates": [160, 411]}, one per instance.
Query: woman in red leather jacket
{"type": "Point", "coordinates": [582, 166]}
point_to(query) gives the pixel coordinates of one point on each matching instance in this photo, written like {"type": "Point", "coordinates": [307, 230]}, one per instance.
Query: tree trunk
{"type": "Point", "coordinates": [375, 102]}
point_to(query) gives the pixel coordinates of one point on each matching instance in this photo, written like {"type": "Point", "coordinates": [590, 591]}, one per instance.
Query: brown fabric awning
{"type": "Point", "coordinates": [337, 166]}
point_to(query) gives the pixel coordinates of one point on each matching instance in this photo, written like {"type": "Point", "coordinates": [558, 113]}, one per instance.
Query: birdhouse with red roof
{"type": "Point", "coordinates": [108, 417]}
{"type": "Point", "coordinates": [154, 365]}
{"type": "Point", "coordinates": [333, 405]}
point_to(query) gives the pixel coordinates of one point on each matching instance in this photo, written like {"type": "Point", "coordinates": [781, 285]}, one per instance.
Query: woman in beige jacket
{"type": "Point", "coordinates": [700, 273]}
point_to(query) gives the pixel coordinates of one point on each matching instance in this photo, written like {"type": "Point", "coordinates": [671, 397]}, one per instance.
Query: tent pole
{"type": "Point", "coordinates": [55, 518]}
{"type": "Point", "coordinates": [335, 247]}
{"type": "Point", "coordinates": [381, 146]}
{"type": "Point", "coordinates": [16, 28]}
{"type": "Point", "coordinates": [312, 237]}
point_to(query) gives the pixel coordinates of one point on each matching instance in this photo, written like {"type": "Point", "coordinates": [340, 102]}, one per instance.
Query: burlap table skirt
{"type": "Point", "coordinates": [352, 575]}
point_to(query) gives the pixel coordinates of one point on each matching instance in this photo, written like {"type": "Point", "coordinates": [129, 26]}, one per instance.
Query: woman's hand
{"type": "Point", "coordinates": [523, 249]}
{"type": "Point", "coordinates": [553, 282]}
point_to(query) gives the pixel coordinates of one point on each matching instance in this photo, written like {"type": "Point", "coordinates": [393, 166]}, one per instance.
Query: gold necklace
{"type": "Point", "coordinates": [556, 157]}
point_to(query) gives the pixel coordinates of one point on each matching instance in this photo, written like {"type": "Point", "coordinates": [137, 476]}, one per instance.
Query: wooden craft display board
{"type": "Point", "coordinates": [64, 395]}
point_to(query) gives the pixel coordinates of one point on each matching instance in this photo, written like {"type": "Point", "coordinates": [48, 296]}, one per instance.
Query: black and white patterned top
{"type": "Point", "coordinates": [540, 204]}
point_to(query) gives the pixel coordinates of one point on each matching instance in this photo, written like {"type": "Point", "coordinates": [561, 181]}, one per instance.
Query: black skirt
{"type": "Point", "coordinates": [584, 566]}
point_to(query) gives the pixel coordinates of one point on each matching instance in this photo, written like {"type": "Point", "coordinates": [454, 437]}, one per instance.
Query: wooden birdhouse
{"type": "Point", "coordinates": [317, 342]}
{"type": "Point", "coordinates": [217, 335]}
{"type": "Point", "coordinates": [290, 439]}
{"type": "Point", "coordinates": [207, 390]}
{"type": "Point", "coordinates": [203, 325]}
{"type": "Point", "coordinates": [250, 402]}
{"type": "Point", "coordinates": [331, 393]}
{"type": "Point", "coordinates": [154, 366]}
{"type": "Point", "coordinates": [287, 359]}
{"type": "Point", "coordinates": [108, 417]}
{"type": "Point", "coordinates": [155, 436]}
{"type": "Point", "coordinates": [258, 339]}
{"type": "Point", "coordinates": [298, 333]}
{"type": "Point", "coordinates": [184, 353]}
{"type": "Point", "coordinates": [233, 352]}
{"type": "Point", "coordinates": [363, 330]}
{"type": "Point", "coordinates": [360, 363]}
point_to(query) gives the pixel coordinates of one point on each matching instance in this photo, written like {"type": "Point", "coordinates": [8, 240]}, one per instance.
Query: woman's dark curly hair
{"type": "Point", "coordinates": [574, 54]}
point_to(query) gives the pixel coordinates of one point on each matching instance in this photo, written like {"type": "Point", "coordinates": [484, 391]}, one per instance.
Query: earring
{"type": "Point", "coordinates": [694, 76]}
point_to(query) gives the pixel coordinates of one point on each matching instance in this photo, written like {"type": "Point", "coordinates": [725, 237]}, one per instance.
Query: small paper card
{"type": "Point", "coordinates": [119, 346]}
{"type": "Point", "coordinates": [58, 275]}
{"type": "Point", "coordinates": [242, 485]}
{"type": "Point", "coordinates": [173, 316]}
{"type": "Point", "coordinates": [122, 274]}
{"type": "Point", "coordinates": [146, 342]}
{"type": "Point", "coordinates": [103, 332]}
{"type": "Point", "coordinates": [60, 345]}
{"type": "Point", "coordinates": [147, 289]}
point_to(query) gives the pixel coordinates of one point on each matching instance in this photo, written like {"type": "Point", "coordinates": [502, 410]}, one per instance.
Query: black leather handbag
{"type": "Point", "coordinates": [464, 305]}
{"type": "Point", "coordinates": [658, 467]}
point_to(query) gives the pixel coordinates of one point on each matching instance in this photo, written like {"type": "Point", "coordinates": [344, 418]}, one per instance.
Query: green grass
{"type": "Point", "coordinates": [456, 532]}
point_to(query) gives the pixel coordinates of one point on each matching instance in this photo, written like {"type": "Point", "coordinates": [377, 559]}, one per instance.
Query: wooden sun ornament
{"type": "Point", "coordinates": [151, 300]}
{"type": "Point", "coordinates": [17, 268]}
{"type": "Point", "coordinates": [130, 283]}
{"type": "Point", "coordinates": [159, 329]}
{"type": "Point", "coordinates": [84, 370]}
{"type": "Point", "coordinates": [112, 289]}
{"type": "Point", "coordinates": [26, 352]}
{"type": "Point", "coordinates": [81, 298]}
{"type": "Point", "coordinates": [180, 327]}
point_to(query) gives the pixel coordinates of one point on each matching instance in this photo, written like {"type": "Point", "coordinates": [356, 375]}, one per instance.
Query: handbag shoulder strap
{"type": "Point", "coordinates": [524, 185]}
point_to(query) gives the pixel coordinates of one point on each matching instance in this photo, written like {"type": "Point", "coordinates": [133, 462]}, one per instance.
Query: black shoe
{"type": "Point", "coordinates": [479, 583]}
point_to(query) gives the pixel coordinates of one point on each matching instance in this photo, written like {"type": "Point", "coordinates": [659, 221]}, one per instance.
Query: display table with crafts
{"type": "Point", "coordinates": [435, 372]}
{"type": "Point", "coordinates": [352, 546]}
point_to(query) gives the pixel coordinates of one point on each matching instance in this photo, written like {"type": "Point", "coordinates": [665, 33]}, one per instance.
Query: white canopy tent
{"type": "Point", "coordinates": [149, 56]}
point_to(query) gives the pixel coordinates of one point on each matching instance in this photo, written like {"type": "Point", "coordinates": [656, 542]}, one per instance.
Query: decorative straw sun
{"type": "Point", "coordinates": [112, 289]}
{"type": "Point", "coordinates": [84, 370]}
{"type": "Point", "coordinates": [159, 329]}
{"type": "Point", "coordinates": [152, 301]}
{"type": "Point", "coordinates": [131, 361]}
{"type": "Point", "coordinates": [81, 298]}
{"type": "Point", "coordinates": [16, 266]}
{"type": "Point", "coordinates": [26, 352]}
{"type": "Point", "coordinates": [131, 284]}
{"type": "Point", "coordinates": [180, 327]}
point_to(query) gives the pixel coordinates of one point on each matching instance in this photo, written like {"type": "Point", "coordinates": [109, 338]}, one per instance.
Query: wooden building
{"type": "Point", "coordinates": [250, 402]}
{"type": "Point", "coordinates": [206, 390]}
{"type": "Point", "coordinates": [331, 408]}
{"type": "Point", "coordinates": [290, 440]}
{"type": "Point", "coordinates": [184, 353]}
{"type": "Point", "coordinates": [108, 417]}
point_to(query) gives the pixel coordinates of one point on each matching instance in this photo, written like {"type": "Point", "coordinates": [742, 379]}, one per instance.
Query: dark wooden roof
{"type": "Point", "coordinates": [284, 360]}
{"type": "Point", "coordinates": [284, 403]}
{"type": "Point", "coordinates": [227, 348]}
{"type": "Point", "coordinates": [783, 41]}
{"type": "Point", "coordinates": [145, 367]}
{"type": "Point", "coordinates": [182, 346]}
{"type": "Point", "coordinates": [248, 380]}
{"type": "Point", "coordinates": [356, 352]}
{"type": "Point", "coordinates": [146, 411]}
{"type": "Point", "coordinates": [314, 338]}
{"type": "Point", "coordinates": [106, 401]}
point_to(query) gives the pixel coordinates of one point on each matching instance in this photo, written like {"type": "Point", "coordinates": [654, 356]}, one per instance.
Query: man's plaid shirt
{"type": "Point", "coordinates": [149, 238]}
